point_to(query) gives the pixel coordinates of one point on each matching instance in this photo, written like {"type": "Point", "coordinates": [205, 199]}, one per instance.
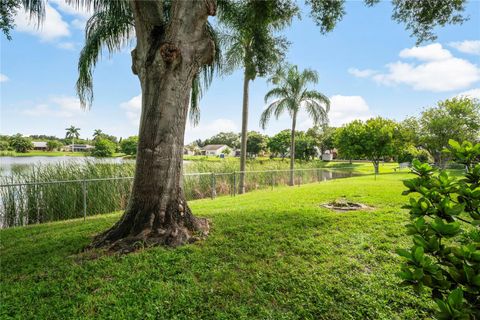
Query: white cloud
{"type": "Point", "coordinates": [66, 45]}
{"type": "Point", "coordinates": [52, 28]}
{"type": "Point", "coordinates": [208, 129]}
{"type": "Point", "coordinates": [80, 11]}
{"type": "Point", "coordinates": [81, 14]}
{"type": "Point", "coordinates": [343, 109]}
{"type": "Point", "coordinates": [57, 106]}
{"type": "Point", "coordinates": [3, 78]}
{"type": "Point", "coordinates": [133, 108]}
{"type": "Point", "coordinates": [79, 23]}
{"type": "Point", "coordinates": [362, 73]}
{"type": "Point", "coordinates": [431, 52]}
{"type": "Point", "coordinates": [467, 46]}
{"type": "Point", "coordinates": [437, 71]}
{"type": "Point", "coordinates": [472, 93]}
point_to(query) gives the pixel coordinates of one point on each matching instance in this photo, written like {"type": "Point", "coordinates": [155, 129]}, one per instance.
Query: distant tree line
{"type": "Point", "coordinates": [377, 139]}
{"type": "Point", "coordinates": [104, 145]}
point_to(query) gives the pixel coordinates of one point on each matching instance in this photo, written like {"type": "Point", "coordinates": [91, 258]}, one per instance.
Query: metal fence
{"type": "Point", "coordinates": [38, 202]}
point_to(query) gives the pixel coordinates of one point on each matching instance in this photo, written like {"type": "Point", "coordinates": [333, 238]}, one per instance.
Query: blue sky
{"type": "Point", "coordinates": [368, 66]}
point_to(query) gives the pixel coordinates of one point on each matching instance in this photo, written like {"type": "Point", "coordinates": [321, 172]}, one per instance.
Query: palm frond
{"type": "Point", "coordinates": [35, 8]}
{"type": "Point", "coordinates": [267, 113]}
{"type": "Point", "coordinates": [110, 28]}
{"type": "Point", "coordinates": [202, 80]}
{"type": "Point", "coordinates": [320, 97]}
{"type": "Point", "coordinates": [277, 92]}
{"type": "Point", "coordinates": [317, 112]}
{"type": "Point", "coordinates": [194, 108]}
{"type": "Point", "coordinates": [285, 104]}
{"type": "Point", "coordinates": [309, 75]}
{"type": "Point", "coordinates": [291, 89]}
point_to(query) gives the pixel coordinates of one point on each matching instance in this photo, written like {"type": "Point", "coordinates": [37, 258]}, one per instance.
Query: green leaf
{"type": "Point", "coordinates": [418, 254]}
{"type": "Point", "coordinates": [455, 298]}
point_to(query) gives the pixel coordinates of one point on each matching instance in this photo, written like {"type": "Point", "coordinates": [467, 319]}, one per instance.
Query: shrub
{"type": "Point", "coordinates": [103, 148]}
{"type": "Point", "coordinates": [4, 145]}
{"type": "Point", "coordinates": [53, 145]}
{"type": "Point", "coordinates": [411, 153]}
{"type": "Point", "coordinates": [20, 143]}
{"type": "Point", "coordinates": [129, 145]}
{"type": "Point", "coordinates": [445, 256]}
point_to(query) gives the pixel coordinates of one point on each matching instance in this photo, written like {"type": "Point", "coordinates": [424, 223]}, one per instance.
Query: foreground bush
{"type": "Point", "coordinates": [445, 224]}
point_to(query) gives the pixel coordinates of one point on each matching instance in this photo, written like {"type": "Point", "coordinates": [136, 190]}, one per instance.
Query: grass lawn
{"type": "Point", "coordinates": [271, 255]}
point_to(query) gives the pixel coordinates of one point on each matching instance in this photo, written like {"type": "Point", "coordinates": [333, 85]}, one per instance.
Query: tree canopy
{"type": "Point", "coordinates": [456, 118]}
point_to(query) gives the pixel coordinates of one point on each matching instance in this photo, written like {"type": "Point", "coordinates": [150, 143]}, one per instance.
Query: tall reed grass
{"type": "Point", "coordinates": [57, 191]}
{"type": "Point", "coordinates": [38, 197]}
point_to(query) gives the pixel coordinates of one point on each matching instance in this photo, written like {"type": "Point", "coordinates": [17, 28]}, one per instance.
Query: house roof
{"type": "Point", "coordinates": [213, 147]}
{"type": "Point", "coordinates": [80, 146]}
{"type": "Point", "coordinates": [39, 144]}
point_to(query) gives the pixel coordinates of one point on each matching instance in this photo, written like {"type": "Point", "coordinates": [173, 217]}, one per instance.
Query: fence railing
{"type": "Point", "coordinates": [38, 202]}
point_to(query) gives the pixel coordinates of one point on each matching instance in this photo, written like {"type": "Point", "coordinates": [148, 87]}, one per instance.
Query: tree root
{"type": "Point", "coordinates": [120, 240]}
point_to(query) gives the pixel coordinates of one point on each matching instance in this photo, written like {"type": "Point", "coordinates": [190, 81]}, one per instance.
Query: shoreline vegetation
{"type": "Point", "coordinates": [34, 153]}
{"type": "Point", "coordinates": [38, 203]}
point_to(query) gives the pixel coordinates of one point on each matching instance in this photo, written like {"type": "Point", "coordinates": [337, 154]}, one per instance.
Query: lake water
{"type": "Point", "coordinates": [9, 164]}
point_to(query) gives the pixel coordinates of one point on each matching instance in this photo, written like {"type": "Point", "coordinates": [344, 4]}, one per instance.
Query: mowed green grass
{"type": "Point", "coordinates": [270, 255]}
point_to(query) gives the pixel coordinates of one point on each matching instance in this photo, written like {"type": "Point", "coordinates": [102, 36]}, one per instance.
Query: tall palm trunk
{"type": "Point", "coordinates": [292, 149]}
{"type": "Point", "coordinates": [165, 62]}
{"type": "Point", "coordinates": [243, 147]}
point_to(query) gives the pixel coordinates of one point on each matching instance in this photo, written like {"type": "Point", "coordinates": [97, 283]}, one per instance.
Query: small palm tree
{"type": "Point", "coordinates": [97, 133]}
{"type": "Point", "coordinates": [72, 133]}
{"type": "Point", "coordinates": [291, 94]}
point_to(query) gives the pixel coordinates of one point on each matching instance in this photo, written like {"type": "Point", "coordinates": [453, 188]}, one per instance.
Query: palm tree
{"type": "Point", "coordinates": [97, 133]}
{"type": "Point", "coordinates": [249, 43]}
{"type": "Point", "coordinates": [291, 94]}
{"type": "Point", "coordinates": [72, 133]}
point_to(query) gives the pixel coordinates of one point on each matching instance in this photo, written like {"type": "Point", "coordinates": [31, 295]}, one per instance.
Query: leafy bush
{"type": "Point", "coordinates": [103, 148]}
{"type": "Point", "coordinates": [4, 145]}
{"type": "Point", "coordinates": [445, 256]}
{"type": "Point", "coordinates": [411, 153]}
{"type": "Point", "coordinates": [129, 145]}
{"type": "Point", "coordinates": [53, 145]}
{"type": "Point", "coordinates": [20, 143]}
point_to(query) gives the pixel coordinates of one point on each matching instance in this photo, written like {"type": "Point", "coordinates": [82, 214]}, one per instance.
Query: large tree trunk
{"type": "Point", "coordinates": [167, 57]}
{"type": "Point", "coordinates": [292, 149]}
{"type": "Point", "coordinates": [243, 147]}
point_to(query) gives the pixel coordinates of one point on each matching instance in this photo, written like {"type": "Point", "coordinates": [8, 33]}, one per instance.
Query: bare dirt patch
{"type": "Point", "coordinates": [342, 205]}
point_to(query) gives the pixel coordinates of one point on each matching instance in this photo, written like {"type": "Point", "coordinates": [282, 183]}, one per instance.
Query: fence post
{"type": "Point", "coordinates": [84, 187]}
{"type": "Point", "coordinates": [214, 191]}
{"type": "Point", "coordinates": [234, 183]}
{"type": "Point", "coordinates": [37, 194]}
{"type": "Point", "coordinates": [273, 179]}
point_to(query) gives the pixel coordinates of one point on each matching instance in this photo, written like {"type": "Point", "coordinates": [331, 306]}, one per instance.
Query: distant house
{"type": "Point", "coordinates": [78, 147]}
{"type": "Point", "coordinates": [214, 149]}
{"type": "Point", "coordinates": [329, 155]}
{"type": "Point", "coordinates": [188, 152]}
{"type": "Point", "coordinates": [40, 145]}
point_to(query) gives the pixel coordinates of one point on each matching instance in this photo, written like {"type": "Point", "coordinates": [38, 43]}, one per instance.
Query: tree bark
{"type": "Point", "coordinates": [243, 147]}
{"type": "Point", "coordinates": [292, 149]}
{"type": "Point", "coordinates": [376, 167]}
{"type": "Point", "coordinates": [166, 58]}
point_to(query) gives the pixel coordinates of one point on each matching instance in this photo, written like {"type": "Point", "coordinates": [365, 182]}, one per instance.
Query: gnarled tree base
{"type": "Point", "coordinates": [125, 236]}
